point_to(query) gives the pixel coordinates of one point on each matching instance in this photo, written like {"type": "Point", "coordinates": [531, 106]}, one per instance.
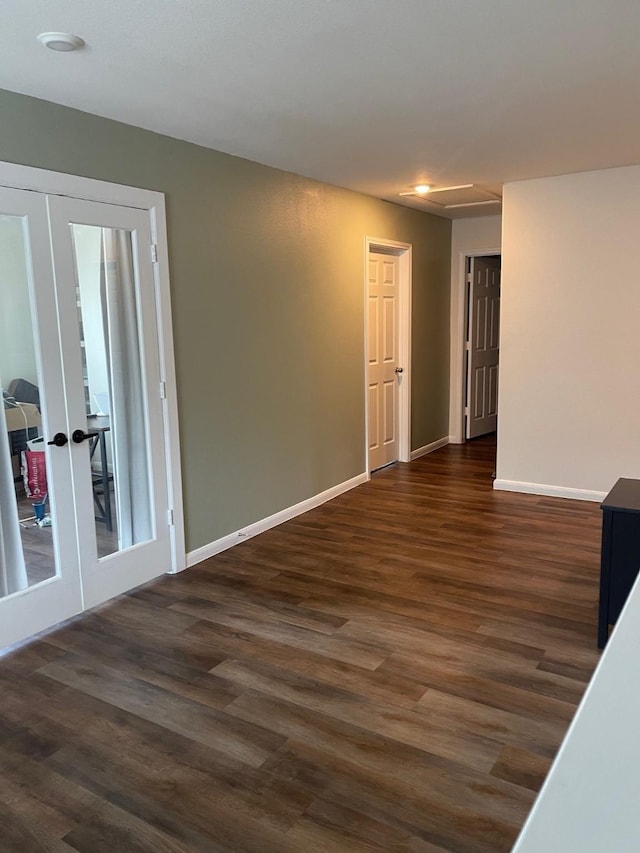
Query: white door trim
{"type": "Point", "coordinates": [458, 330]}
{"type": "Point", "coordinates": [74, 186]}
{"type": "Point", "coordinates": [403, 251]}
{"type": "Point", "coordinates": [168, 370]}
{"type": "Point", "coordinates": [58, 183]}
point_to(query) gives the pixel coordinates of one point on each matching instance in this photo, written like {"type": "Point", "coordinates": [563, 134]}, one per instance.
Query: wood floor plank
{"type": "Point", "coordinates": [165, 799]}
{"type": "Point", "coordinates": [392, 671]}
{"type": "Point", "coordinates": [19, 835]}
{"type": "Point", "coordinates": [178, 677]}
{"type": "Point", "coordinates": [398, 724]}
{"type": "Point", "coordinates": [328, 827]}
{"type": "Point", "coordinates": [521, 767]}
{"type": "Point", "coordinates": [250, 744]}
{"type": "Point", "coordinates": [456, 626]}
{"type": "Point", "coordinates": [261, 606]}
{"type": "Point", "coordinates": [353, 603]}
{"type": "Point", "coordinates": [389, 687]}
{"type": "Point", "coordinates": [366, 655]}
{"type": "Point", "coordinates": [55, 800]}
{"type": "Point", "coordinates": [447, 646]}
{"type": "Point", "coordinates": [26, 805]}
{"type": "Point", "coordinates": [496, 693]}
{"type": "Point", "coordinates": [538, 735]}
{"type": "Point", "coordinates": [328, 749]}
{"type": "Point", "coordinates": [461, 823]}
{"type": "Point", "coordinates": [170, 780]}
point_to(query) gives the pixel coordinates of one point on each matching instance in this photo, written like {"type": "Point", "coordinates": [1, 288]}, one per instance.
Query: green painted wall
{"type": "Point", "coordinates": [267, 272]}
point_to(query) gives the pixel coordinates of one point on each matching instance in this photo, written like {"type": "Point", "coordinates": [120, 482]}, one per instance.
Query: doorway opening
{"type": "Point", "coordinates": [482, 345]}
{"type": "Point", "coordinates": [460, 326]}
{"type": "Point", "coordinates": [388, 267]}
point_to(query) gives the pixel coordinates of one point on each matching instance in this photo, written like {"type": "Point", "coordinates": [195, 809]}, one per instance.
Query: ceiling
{"type": "Point", "coordinates": [373, 95]}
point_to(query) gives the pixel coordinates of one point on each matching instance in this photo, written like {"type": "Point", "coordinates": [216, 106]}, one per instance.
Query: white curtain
{"type": "Point", "coordinates": [128, 427]}
{"type": "Point", "coordinates": [13, 572]}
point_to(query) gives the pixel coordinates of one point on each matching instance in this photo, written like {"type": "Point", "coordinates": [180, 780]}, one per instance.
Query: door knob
{"type": "Point", "coordinates": [79, 435]}
{"type": "Point", "coordinates": [59, 439]}
{"type": "Point", "coordinates": [399, 369]}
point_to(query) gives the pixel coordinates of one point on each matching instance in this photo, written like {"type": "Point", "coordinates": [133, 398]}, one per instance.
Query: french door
{"type": "Point", "coordinates": [83, 472]}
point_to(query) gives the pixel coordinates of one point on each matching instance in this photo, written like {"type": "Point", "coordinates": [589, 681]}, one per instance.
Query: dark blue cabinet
{"type": "Point", "coordinates": [620, 560]}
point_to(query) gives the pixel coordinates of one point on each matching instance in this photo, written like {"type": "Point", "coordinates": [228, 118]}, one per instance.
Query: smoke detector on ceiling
{"type": "Point", "coordinates": [62, 42]}
{"type": "Point", "coordinates": [448, 198]}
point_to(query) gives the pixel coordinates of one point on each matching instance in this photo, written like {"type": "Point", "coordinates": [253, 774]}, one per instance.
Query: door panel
{"type": "Point", "coordinates": [483, 348]}
{"type": "Point", "coordinates": [373, 331]}
{"type": "Point", "coordinates": [479, 392]}
{"type": "Point", "coordinates": [479, 341]}
{"type": "Point", "coordinates": [390, 329]}
{"type": "Point", "coordinates": [390, 397]}
{"type": "Point", "coordinates": [104, 278]}
{"type": "Point", "coordinates": [494, 337]}
{"type": "Point", "coordinates": [39, 569]}
{"type": "Point", "coordinates": [493, 390]}
{"type": "Point", "coordinates": [374, 417]}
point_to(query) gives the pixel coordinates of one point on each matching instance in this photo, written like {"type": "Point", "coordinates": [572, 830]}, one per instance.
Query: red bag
{"type": "Point", "coordinates": [34, 474]}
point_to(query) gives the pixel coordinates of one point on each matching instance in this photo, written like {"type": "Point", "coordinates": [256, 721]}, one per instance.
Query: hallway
{"type": "Point", "coordinates": [391, 671]}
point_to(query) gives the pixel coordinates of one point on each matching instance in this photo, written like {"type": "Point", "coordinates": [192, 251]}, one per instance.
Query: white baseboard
{"type": "Point", "coordinates": [550, 491]}
{"type": "Point", "coordinates": [429, 448]}
{"type": "Point", "coordinates": [257, 527]}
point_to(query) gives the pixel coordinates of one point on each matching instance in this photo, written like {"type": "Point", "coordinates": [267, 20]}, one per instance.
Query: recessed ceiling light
{"type": "Point", "coordinates": [422, 189]}
{"type": "Point", "coordinates": [63, 42]}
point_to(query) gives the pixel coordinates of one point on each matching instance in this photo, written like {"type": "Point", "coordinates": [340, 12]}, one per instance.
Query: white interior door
{"type": "Point", "coordinates": [483, 346]}
{"type": "Point", "coordinates": [79, 337]}
{"type": "Point", "coordinates": [39, 567]}
{"type": "Point", "coordinates": [384, 372]}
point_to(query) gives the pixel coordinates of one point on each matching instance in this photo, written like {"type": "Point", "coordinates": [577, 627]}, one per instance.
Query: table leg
{"type": "Point", "coordinates": [105, 482]}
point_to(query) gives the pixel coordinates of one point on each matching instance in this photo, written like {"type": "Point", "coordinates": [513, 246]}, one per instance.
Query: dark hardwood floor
{"type": "Point", "coordinates": [393, 671]}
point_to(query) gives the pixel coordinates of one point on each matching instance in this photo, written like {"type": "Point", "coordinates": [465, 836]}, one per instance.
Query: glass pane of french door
{"type": "Point", "coordinates": [106, 299]}
{"type": "Point", "coordinates": [110, 349]}
{"type": "Point", "coordinates": [27, 552]}
{"type": "Point", "coordinates": [39, 580]}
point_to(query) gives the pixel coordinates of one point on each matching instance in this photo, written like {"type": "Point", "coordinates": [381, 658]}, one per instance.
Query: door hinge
{"type": "Point", "coordinates": [469, 279]}
{"type": "Point", "coordinates": [466, 411]}
{"type": "Point", "coordinates": [467, 345]}
{"type": "Point", "coordinates": [154, 253]}
{"type": "Point", "coordinates": [170, 519]}
{"type": "Point", "coordinates": [163, 390]}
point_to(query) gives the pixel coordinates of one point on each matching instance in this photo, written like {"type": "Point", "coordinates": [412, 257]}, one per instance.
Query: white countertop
{"type": "Point", "coordinates": [590, 801]}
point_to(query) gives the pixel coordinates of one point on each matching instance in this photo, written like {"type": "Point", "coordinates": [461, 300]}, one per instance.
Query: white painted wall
{"type": "Point", "coordinates": [589, 801]}
{"type": "Point", "coordinates": [477, 236]}
{"type": "Point", "coordinates": [569, 389]}
{"type": "Point", "coordinates": [17, 349]}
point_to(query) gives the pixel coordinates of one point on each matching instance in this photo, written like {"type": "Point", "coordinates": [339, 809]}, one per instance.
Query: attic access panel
{"type": "Point", "coordinates": [464, 195]}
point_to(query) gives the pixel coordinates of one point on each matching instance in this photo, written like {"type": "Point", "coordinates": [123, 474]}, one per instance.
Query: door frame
{"type": "Point", "coordinates": [57, 183]}
{"type": "Point", "coordinates": [403, 251]}
{"type": "Point", "coordinates": [459, 308]}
